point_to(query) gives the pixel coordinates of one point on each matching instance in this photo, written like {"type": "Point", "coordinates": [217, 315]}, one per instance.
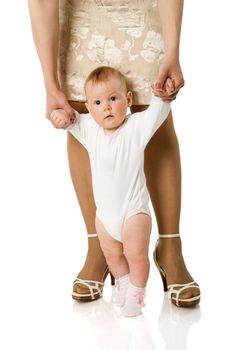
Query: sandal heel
{"type": "Point", "coordinates": [162, 274]}
{"type": "Point", "coordinates": [89, 290]}
{"type": "Point", "coordinates": [112, 279]}
{"type": "Point", "coordinates": [174, 290]}
{"type": "Point", "coordinates": [164, 280]}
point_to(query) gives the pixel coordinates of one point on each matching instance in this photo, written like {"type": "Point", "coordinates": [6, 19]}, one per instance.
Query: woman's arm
{"type": "Point", "coordinates": [45, 28]}
{"type": "Point", "coordinates": [170, 12]}
{"type": "Point", "coordinates": [171, 18]}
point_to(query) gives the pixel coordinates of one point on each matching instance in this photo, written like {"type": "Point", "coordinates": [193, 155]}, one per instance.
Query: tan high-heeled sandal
{"type": "Point", "coordinates": [175, 290]}
{"type": "Point", "coordinates": [95, 288]}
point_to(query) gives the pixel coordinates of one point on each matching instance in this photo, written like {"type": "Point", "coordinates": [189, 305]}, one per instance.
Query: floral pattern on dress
{"type": "Point", "coordinates": [102, 50]}
{"type": "Point", "coordinates": [152, 47]}
{"type": "Point", "coordinates": [124, 34]}
{"type": "Point", "coordinates": [129, 20]}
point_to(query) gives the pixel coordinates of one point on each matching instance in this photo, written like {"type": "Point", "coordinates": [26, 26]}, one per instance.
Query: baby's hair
{"type": "Point", "coordinates": [103, 74]}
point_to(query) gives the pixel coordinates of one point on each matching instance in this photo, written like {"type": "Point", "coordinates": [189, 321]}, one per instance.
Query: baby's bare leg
{"type": "Point", "coordinates": [113, 251]}
{"type": "Point", "coordinates": [136, 236]}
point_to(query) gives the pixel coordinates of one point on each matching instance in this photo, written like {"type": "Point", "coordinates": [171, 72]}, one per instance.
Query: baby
{"type": "Point", "coordinates": [116, 143]}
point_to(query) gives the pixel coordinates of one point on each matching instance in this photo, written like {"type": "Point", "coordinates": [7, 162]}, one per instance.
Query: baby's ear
{"type": "Point", "coordinates": [130, 98]}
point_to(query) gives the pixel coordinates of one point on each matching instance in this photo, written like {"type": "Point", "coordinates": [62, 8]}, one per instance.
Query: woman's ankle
{"type": "Point", "coordinates": [170, 245]}
{"type": "Point", "coordinates": [94, 248]}
{"type": "Point", "coordinates": [95, 257]}
{"type": "Point", "coordinates": [95, 263]}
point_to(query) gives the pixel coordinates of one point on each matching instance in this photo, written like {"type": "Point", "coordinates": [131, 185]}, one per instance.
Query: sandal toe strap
{"type": "Point", "coordinates": [182, 288]}
{"type": "Point", "coordinates": [93, 286]}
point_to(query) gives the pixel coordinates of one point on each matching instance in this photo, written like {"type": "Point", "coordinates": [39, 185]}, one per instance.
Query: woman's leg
{"type": "Point", "coordinates": [80, 171]}
{"type": "Point", "coordinates": [163, 175]}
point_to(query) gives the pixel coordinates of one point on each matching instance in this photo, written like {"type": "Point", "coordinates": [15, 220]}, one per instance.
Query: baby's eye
{"type": "Point", "coordinates": [113, 98]}
{"type": "Point", "coordinates": [97, 102]}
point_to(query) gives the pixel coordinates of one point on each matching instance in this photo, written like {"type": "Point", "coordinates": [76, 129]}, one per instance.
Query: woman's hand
{"type": "Point", "coordinates": [170, 80]}
{"type": "Point", "coordinates": [167, 92]}
{"type": "Point", "coordinates": [57, 100]}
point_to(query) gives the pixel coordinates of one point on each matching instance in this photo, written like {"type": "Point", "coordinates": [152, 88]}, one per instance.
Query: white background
{"type": "Point", "coordinates": [43, 240]}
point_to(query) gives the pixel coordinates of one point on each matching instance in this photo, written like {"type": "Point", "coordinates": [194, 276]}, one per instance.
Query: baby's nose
{"type": "Point", "coordinates": [107, 106]}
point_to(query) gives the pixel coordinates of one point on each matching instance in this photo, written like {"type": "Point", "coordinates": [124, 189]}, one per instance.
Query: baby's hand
{"type": "Point", "coordinates": [60, 119]}
{"type": "Point", "coordinates": [167, 91]}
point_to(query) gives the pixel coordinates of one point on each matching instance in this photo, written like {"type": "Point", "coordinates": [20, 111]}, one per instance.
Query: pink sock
{"type": "Point", "coordinates": [120, 290]}
{"type": "Point", "coordinates": [134, 300]}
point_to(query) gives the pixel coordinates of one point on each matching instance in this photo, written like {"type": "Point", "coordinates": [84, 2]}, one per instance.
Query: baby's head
{"type": "Point", "coordinates": [107, 97]}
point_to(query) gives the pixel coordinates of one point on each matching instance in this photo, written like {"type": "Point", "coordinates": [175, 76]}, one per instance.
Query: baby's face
{"type": "Point", "coordinates": [107, 102]}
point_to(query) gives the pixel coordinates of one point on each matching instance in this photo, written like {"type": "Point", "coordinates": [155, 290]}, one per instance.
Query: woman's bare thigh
{"type": "Point", "coordinates": [78, 106]}
{"type": "Point", "coordinates": [138, 108]}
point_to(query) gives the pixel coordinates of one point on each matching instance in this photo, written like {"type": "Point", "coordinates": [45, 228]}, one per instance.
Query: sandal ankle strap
{"type": "Point", "coordinates": [89, 235]}
{"type": "Point", "coordinates": [172, 235]}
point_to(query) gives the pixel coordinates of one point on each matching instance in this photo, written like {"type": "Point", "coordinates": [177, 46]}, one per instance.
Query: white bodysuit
{"type": "Point", "coordinates": [117, 163]}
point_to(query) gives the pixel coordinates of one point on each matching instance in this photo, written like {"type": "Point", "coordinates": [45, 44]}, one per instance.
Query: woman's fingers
{"type": "Point", "coordinates": [164, 96]}
{"type": "Point", "coordinates": [57, 100]}
{"type": "Point", "coordinates": [169, 91]}
{"type": "Point", "coordinates": [169, 86]}
{"type": "Point", "coordinates": [170, 79]}
{"type": "Point", "coordinates": [70, 111]}
{"type": "Point", "coordinates": [178, 86]}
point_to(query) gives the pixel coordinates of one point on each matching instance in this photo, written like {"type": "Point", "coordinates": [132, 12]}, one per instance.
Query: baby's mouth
{"type": "Point", "coordinates": [108, 116]}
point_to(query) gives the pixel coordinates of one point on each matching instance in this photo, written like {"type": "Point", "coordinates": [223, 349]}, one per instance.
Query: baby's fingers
{"type": "Point", "coordinates": [57, 122]}
{"type": "Point", "coordinates": [59, 119]}
{"type": "Point", "coordinates": [169, 86]}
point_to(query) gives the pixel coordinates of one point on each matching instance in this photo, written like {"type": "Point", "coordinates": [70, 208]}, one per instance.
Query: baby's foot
{"type": "Point", "coordinates": [122, 284]}
{"type": "Point", "coordinates": [134, 301]}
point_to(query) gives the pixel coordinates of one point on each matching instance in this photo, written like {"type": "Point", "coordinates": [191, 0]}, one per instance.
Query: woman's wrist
{"type": "Point", "coordinates": [52, 85]}
{"type": "Point", "coordinates": [172, 54]}
{"type": "Point", "coordinates": [52, 89]}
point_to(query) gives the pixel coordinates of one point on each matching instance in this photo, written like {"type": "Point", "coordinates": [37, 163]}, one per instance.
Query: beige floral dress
{"type": "Point", "coordinates": [124, 34]}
